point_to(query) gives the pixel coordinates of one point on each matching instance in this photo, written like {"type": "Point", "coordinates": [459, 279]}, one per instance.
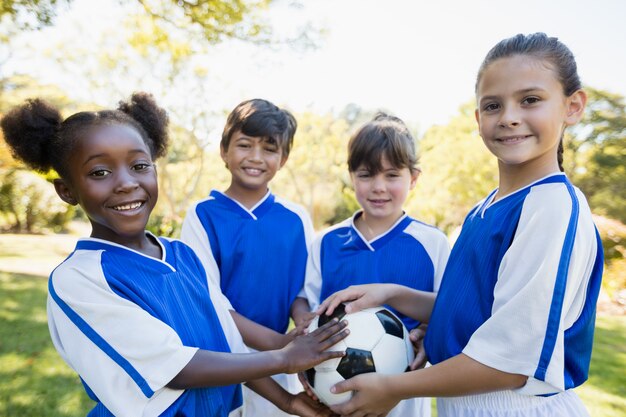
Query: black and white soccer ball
{"type": "Point", "coordinates": [378, 342]}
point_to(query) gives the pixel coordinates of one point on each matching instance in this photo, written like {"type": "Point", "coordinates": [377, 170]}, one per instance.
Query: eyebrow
{"type": "Point", "coordinates": [101, 155]}
{"type": "Point", "coordinates": [523, 91]}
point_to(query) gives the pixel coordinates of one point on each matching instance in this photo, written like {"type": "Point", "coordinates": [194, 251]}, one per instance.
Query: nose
{"type": "Point", "coordinates": [378, 183]}
{"type": "Point", "coordinates": [255, 153]}
{"type": "Point", "coordinates": [126, 182]}
{"type": "Point", "coordinates": [509, 117]}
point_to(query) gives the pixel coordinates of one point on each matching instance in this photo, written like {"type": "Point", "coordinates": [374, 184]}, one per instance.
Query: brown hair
{"type": "Point", "coordinates": [384, 136]}
{"type": "Point", "coordinates": [260, 118]}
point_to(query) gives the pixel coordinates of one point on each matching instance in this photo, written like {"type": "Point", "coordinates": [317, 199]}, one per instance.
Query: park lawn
{"type": "Point", "coordinates": [35, 382]}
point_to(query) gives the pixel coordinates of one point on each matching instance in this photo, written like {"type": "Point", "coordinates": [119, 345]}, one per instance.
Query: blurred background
{"type": "Point", "coordinates": [334, 64]}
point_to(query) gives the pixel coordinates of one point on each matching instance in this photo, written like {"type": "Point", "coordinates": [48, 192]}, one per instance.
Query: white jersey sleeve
{"type": "Point", "coordinates": [313, 279]}
{"type": "Point", "coordinates": [511, 340]}
{"type": "Point", "coordinates": [194, 235]}
{"type": "Point", "coordinates": [436, 245]}
{"type": "Point", "coordinates": [95, 331]}
{"type": "Point", "coordinates": [307, 225]}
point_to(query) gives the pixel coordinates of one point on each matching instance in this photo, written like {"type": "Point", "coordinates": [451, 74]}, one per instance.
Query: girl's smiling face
{"type": "Point", "coordinates": [382, 195]}
{"type": "Point", "coordinates": [522, 111]}
{"type": "Point", "coordinates": [113, 178]}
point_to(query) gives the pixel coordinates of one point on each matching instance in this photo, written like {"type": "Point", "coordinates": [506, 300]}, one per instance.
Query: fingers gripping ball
{"type": "Point", "coordinates": [378, 342]}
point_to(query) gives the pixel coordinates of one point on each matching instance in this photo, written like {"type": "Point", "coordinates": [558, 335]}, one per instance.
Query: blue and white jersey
{"type": "Point", "coordinates": [520, 289]}
{"type": "Point", "coordinates": [410, 253]}
{"type": "Point", "coordinates": [257, 257]}
{"type": "Point", "coordinates": [128, 323]}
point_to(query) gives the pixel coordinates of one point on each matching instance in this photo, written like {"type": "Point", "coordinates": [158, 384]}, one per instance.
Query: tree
{"type": "Point", "coordinates": [596, 154]}
{"type": "Point", "coordinates": [457, 171]}
{"type": "Point", "coordinates": [216, 20]}
{"type": "Point", "coordinates": [28, 202]}
{"type": "Point", "coordinates": [316, 170]}
{"type": "Point", "coordinates": [31, 14]}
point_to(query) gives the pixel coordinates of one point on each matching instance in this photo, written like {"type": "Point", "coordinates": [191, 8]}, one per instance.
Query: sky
{"type": "Point", "coordinates": [415, 59]}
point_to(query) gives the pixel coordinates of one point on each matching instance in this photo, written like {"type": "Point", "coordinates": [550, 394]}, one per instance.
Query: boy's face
{"type": "Point", "coordinates": [382, 195]}
{"type": "Point", "coordinates": [252, 161]}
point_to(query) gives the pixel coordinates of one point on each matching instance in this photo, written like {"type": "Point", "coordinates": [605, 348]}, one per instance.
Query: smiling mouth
{"type": "Point", "coordinates": [512, 139]}
{"type": "Point", "coordinates": [379, 201]}
{"type": "Point", "coordinates": [253, 171]}
{"type": "Point", "coordinates": [129, 206]}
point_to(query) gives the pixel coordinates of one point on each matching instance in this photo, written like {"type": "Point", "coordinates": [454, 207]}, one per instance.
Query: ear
{"type": "Point", "coordinates": [477, 116]}
{"type": "Point", "coordinates": [223, 155]}
{"type": "Point", "coordinates": [575, 106]}
{"type": "Point", "coordinates": [64, 191]}
{"type": "Point", "coordinates": [414, 176]}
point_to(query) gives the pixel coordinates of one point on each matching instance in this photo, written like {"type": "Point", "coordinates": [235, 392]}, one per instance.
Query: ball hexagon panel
{"type": "Point", "coordinates": [356, 362]}
{"type": "Point", "coordinates": [364, 332]}
{"type": "Point", "coordinates": [322, 384]}
{"type": "Point", "coordinates": [390, 323]}
{"type": "Point", "coordinates": [386, 363]}
{"type": "Point", "coordinates": [339, 312]}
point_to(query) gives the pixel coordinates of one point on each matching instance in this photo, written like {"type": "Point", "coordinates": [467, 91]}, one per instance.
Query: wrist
{"type": "Point", "coordinates": [278, 361]}
{"type": "Point", "coordinates": [283, 340]}
{"type": "Point", "coordinates": [286, 402]}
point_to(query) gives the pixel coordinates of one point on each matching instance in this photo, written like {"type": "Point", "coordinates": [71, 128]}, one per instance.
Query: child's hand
{"type": "Point", "coordinates": [303, 320]}
{"type": "Point", "coordinates": [370, 398]}
{"type": "Point", "coordinates": [306, 386]}
{"type": "Point", "coordinates": [310, 349]}
{"type": "Point", "coordinates": [417, 339]}
{"type": "Point", "coordinates": [302, 326]}
{"type": "Point", "coordinates": [304, 406]}
{"type": "Point", "coordinates": [356, 297]}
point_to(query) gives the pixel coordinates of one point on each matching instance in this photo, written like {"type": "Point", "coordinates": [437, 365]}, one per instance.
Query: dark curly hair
{"type": "Point", "coordinates": [38, 136]}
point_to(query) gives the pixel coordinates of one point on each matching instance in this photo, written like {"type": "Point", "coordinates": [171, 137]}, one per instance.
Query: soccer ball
{"type": "Point", "coordinates": [378, 342]}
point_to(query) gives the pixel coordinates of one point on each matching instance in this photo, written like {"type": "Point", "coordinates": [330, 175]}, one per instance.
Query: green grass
{"type": "Point", "coordinates": [604, 393]}
{"type": "Point", "coordinates": [35, 382]}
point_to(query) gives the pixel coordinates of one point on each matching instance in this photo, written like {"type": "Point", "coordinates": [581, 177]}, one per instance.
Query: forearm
{"type": "Point", "coordinates": [412, 303]}
{"type": "Point", "coordinates": [256, 335]}
{"type": "Point", "coordinates": [208, 368]}
{"type": "Point", "coordinates": [272, 391]}
{"type": "Point", "coordinates": [457, 376]}
{"type": "Point", "coordinates": [300, 310]}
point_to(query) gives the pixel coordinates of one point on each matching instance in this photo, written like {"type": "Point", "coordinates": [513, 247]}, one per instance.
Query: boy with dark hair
{"type": "Point", "coordinates": [253, 244]}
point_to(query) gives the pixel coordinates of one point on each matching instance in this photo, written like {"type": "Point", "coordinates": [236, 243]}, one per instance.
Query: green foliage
{"type": "Point", "coordinates": [613, 234]}
{"type": "Point", "coordinates": [216, 19]}
{"type": "Point", "coordinates": [29, 203]}
{"type": "Point", "coordinates": [346, 206]}
{"type": "Point", "coordinates": [596, 157]}
{"type": "Point", "coordinates": [316, 170]}
{"type": "Point", "coordinates": [457, 171]}
{"type": "Point", "coordinates": [30, 13]}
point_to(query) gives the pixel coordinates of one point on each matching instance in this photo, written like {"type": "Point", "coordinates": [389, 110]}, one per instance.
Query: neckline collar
{"type": "Point", "coordinates": [93, 243]}
{"type": "Point", "coordinates": [380, 240]}
{"type": "Point", "coordinates": [259, 209]}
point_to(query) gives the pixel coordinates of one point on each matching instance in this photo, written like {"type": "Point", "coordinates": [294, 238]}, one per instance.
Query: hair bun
{"type": "Point", "coordinates": [143, 108]}
{"type": "Point", "coordinates": [29, 130]}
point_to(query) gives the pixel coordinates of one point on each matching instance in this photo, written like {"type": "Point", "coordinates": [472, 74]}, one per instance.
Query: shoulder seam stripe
{"type": "Point", "coordinates": [100, 342]}
{"type": "Point", "coordinates": [554, 316]}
